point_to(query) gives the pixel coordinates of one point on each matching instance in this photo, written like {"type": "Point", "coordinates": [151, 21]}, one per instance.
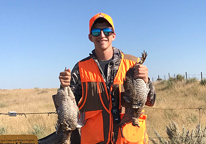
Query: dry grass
{"type": "Point", "coordinates": [27, 101]}
{"type": "Point", "coordinates": [179, 102]}
{"type": "Point", "coordinates": [170, 103]}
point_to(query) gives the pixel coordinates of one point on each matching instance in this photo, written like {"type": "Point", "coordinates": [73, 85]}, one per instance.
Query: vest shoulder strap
{"type": "Point", "coordinates": [131, 57]}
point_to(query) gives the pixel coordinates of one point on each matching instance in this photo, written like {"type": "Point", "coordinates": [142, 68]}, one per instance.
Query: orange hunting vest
{"type": "Point", "coordinates": [96, 104]}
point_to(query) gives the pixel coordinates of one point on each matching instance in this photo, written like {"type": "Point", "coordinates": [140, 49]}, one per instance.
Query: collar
{"type": "Point", "coordinates": [116, 54]}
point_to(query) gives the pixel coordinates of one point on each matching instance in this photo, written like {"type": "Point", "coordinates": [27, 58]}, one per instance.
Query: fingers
{"type": "Point", "coordinates": [141, 71]}
{"type": "Point", "coordinates": [65, 77]}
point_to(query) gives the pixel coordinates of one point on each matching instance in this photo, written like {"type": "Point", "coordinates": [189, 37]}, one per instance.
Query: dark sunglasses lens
{"type": "Point", "coordinates": [96, 32]}
{"type": "Point", "coordinates": [107, 31]}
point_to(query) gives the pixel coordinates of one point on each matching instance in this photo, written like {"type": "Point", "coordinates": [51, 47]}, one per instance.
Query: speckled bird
{"type": "Point", "coordinates": [135, 96]}
{"type": "Point", "coordinates": [67, 111]}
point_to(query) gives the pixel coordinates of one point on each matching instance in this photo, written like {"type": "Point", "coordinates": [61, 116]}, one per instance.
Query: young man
{"type": "Point", "coordinates": [97, 81]}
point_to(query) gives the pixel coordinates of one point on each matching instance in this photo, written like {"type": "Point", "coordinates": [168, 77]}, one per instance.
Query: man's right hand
{"type": "Point", "coordinates": [65, 77]}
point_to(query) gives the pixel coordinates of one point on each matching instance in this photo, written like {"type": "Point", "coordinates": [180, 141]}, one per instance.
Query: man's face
{"type": "Point", "coordinates": [102, 42]}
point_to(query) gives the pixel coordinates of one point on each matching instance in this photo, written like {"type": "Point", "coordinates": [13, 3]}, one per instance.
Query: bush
{"type": "Point", "coordinates": [2, 130]}
{"type": "Point", "coordinates": [170, 82]}
{"type": "Point", "coordinates": [197, 136]}
{"type": "Point", "coordinates": [180, 77]}
{"type": "Point", "coordinates": [42, 92]}
{"type": "Point", "coordinates": [36, 88]}
{"type": "Point", "coordinates": [203, 82]}
{"type": "Point", "coordinates": [37, 130]}
{"type": "Point", "coordinates": [191, 80]}
{"type": "Point", "coordinates": [159, 79]}
{"type": "Point", "coordinates": [2, 105]}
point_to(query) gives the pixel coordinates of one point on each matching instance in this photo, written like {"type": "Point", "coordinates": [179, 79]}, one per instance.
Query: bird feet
{"type": "Point", "coordinates": [135, 121]}
{"type": "Point", "coordinates": [143, 58]}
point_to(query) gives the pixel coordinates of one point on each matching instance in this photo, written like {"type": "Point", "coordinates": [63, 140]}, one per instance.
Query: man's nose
{"type": "Point", "coordinates": [102, 33]}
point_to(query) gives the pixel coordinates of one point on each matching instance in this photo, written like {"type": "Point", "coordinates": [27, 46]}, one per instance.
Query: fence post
{"type": "Point", "coordinates": [186, 75]}
{"type": "Point", "coordinates": [199, 115]}
{"type": "Point", "coordinates": [169, 75]}
{"type": "Point", "coordinates": [201, 76]}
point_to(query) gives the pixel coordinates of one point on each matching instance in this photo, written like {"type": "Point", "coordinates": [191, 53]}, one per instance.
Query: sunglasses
{"type": "Point", "coordinates": [97, 31]}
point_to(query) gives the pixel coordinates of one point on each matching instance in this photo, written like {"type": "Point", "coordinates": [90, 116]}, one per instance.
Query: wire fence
{"type": "Point", "coordinates": [186, 75]}
{"type": "Point", "coordinates": [14, 113]}
{"type": "Point", "coordinates": [200, 112]}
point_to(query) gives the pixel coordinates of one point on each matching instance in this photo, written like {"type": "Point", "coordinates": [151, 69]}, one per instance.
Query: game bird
{"type": "Point", "coordinates": [135, 97]}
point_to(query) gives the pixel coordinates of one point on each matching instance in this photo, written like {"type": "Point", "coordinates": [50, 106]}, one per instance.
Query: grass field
{"type": "Point", "coordinates": [177, 101]}
{"type": "Point", "coordinates": [27, 101]}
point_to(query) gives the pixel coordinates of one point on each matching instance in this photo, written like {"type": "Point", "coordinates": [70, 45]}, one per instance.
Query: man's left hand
{"type": "Point", "coordinates": [141, 71]}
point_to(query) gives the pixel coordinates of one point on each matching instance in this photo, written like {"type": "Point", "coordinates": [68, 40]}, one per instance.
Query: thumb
{"type": "Point", "coordinates": [69, 70]}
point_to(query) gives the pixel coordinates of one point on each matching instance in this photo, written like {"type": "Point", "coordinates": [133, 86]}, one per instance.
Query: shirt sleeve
{"type": "Point", "coordinates": [75, 83]}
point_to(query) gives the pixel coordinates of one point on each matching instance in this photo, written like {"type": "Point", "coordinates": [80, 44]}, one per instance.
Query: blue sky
{"type": "Point", "coordinates": [38, 38]}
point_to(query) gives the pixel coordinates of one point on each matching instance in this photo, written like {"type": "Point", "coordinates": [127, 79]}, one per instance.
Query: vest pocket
{"type": "Point", "coordinates": [92, 132]}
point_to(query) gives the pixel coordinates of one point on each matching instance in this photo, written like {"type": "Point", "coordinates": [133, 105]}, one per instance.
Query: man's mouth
{"type": "Point", "coordinates": [102, 41]}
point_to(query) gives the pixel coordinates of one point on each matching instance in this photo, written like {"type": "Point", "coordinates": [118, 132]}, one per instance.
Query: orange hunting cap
{"type": "Point", "coordinates": [100, 15]}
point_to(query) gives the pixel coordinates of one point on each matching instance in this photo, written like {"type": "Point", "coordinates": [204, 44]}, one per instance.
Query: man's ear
{"type": "Point", "coordinates": [90, 37]}
{"type": "Point", "coordinates": [113, 36]}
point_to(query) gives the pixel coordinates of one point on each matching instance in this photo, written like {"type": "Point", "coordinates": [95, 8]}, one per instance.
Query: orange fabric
{"type": "Point", "coordinates": [92, 75]}
{"type": "Point", "coordinates": [124, 67]}
{"type": "Point", "coordinates": [93, 131]}
{"type": "Point", "coordinates": [99, 15]}
{"type": "Point", "coordinates": [134, 135]}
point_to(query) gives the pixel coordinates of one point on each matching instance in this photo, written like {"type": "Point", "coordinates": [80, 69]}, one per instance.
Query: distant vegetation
{"type": "Point", "coordinates": [180, 77]}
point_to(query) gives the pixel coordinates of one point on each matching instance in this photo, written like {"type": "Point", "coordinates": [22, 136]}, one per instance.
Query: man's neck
{"type": "Point", "coordinates": [104, 55]}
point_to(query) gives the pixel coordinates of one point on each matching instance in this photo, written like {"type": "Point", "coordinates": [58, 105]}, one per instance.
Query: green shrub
{"type": "Point", "coordinates": [163, 82]}
{"type": "Point", "coordinates": [170, 82]}
{"type": "Point", "coordinates": [38, 131]}
{"type": "Point", "coordinates": [2, 130]}
{"type": "Point", "coordinates": [2, 105]}
{"type": "Point", "coordinates": [180, 77]}
{"type": "Point", "coordinates": [203, 82]}
{"type": "Point", "coordinates": [42, 92]}
{"type": "Point", "coordinates": [192, 118]}
{"type": "Point", "coordinates": [159, 79]}
{"type": "Point", "coordinates": [191, 80]}
{"type": "Point", "coordinates": [36, 88]}
{"type": "Point", "coordinates": [197, 135]}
